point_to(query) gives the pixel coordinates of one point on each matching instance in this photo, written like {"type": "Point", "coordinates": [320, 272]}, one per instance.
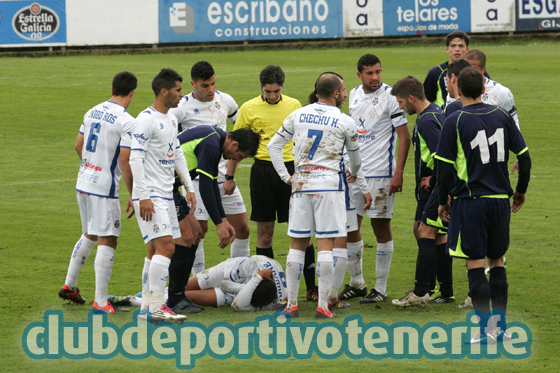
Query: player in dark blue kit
{"type": "Point", "coordinates": [475, 142]}
{"type": "Point", "coordinates": [410, 96]}
{"type": "Point", "coordinates": [203, 147]}
{"type": "Point", "coordinates": [435, 85]}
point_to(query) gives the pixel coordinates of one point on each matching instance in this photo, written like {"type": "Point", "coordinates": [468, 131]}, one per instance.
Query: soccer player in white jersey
{"type": "Point", "coordinates": [247, 284]}
{"type": "Point", "coordinates": [155, 155]}
{"type": "Point", "coordinates": [320, 132]}
{"type": "Point", "coordinates": [207, 106]}
{"type": "Point", "coordinates": [104, 132]}
{"type": "Point", "coordinates": [380, 121]}
{"type": "Point", "coordinates": [494, 92]}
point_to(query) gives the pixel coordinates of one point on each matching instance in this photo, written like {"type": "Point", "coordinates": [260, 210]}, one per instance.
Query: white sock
{"type": "Point", "coordinates": [146, 285]}
{"type": "Point", "coordinates": [325, 272]}
{"type": "Point", "coordinates": [103, 268]}
{"type": "Point", "coordinates": [240, 248]}
{"type": "Point", "coordinates": [79, 257]}
{"type": "Point", "coordinates": [198, 265]}
{"type": "Point", "coordinates": [383, 265]}
{"type": "Point", "coordinates": [294, 269]}
{"type": "Point", "coordinates": [340, 262]}
{"type": "Point", "coordinates": [355, 260]}
{"type": "Point", "coordinates": [158, 276]}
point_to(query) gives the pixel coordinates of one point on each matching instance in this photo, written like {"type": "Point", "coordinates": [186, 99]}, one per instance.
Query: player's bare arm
{"type": "Point", "coordinates": [79, 144]}
{"type": "Point", "coordinates": [229, 182]}
{"type": "Point", "coordinates": [127, 176]}
{"type": "Point", "coordinates": [404, 145]}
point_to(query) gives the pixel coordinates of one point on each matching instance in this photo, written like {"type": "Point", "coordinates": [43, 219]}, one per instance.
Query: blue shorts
{"type": "Point", "coordinates": [479, 228]}
{"type": "Point", "coordinates": [420, 209]}
{"type": "Point", "coordinates": [181, 206]}
{"type": "Point", "coordinates": [430, 215]}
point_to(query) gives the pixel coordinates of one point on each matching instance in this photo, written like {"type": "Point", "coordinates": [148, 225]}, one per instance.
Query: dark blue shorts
{"type": "Point", "coordinates": [430, 215]}
{"type": "Point", "coordinates": [479, 228]}
{"type": "Point", "coordinates": [181, 206]}
{"type": "Point", "coordinates": [420, 209]}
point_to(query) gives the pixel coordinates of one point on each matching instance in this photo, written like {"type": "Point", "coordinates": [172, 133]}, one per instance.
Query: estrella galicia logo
{"type": "Point", "coordinates": [36, 22]}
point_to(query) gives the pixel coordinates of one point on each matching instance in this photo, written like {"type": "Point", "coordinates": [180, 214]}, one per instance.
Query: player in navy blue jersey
{"type": "Point", "coordinates": [453, 71]}
{"type": "Point", "coordinates": [475, 142]}
{"type": "Point", "coordinates": [410, 96]}
{"type": "Point", "coordinates": [435, 85]}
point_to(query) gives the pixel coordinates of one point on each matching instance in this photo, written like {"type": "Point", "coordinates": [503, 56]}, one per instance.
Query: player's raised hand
{"type": "Point", "coordinates": [191, 202]}
{"type": "Point", "coordinates": [517, 201]}
{"type": "Point", "coordinates": [146, 209]}
{"type": "Point", "coordinates": [129, 206]}
{"type": "Point", "coordinates": [367, 200]}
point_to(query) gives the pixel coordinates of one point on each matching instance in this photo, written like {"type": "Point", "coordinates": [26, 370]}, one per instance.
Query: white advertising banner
{"type": "Point", "coordinates": [109, 22]}
{"type": "Point", "coordinates": [492, 15]}
{"type": "Point", "coordinates": [363, 18]}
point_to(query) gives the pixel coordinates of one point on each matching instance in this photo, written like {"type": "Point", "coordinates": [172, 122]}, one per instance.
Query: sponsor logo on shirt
{"type": "Point", "coordinates": [311, 168]}
{"type": "Point", "coordinates": [361, 127]}
{"type": "Point", "coordinates": [86, 164]}
{"type": "Point", "coordinates": [170, 150]}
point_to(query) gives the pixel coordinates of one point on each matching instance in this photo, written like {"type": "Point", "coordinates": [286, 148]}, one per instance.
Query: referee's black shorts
{"type": "Point", "coordinates": [270, 196]}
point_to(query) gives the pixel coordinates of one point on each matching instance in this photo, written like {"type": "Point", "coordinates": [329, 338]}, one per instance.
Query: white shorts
{"type": "Point", "coordinates": [100, 216]}
{"type": "Point", "coordinates": [382, 205]}
{"type": "Point", "coordinates": [351, 216]}
{"type": "Point", "coordinates": [317, 214]}
{"type": "Point", "coordinates": [211, 277]}
{"type": "Point", "coordinates": [164, 221]}
{"type": "Point", "coordinates": [232, 204]}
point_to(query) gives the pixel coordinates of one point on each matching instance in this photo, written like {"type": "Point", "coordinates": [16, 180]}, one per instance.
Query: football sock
{"type": "Point", "coordinates": [383, 265]}
{"type": "Point", "coordinates": [325, 271]}
{"type": "Point", "coordinates": [266, 252]}
{"type": "Point", "coordinates": [444, 269]}
{"type": "Point", "coordinates": [425, 264]}
{"type": "Point", "coordinates": [294, 269]}
{"type": "Point", "coordinates": [479, 290]}
{"type": "Point", "coordinates": [199, 265]}
{"type": "Point", "coordinates": [158, 275]}
{"type": "Point", "coordinates": [499, 289]}
{"type": "Point", "coordinates": [179, 272]}
{"type": "Point", "coordinates": [340, 262]}
{"type": "Point", "coordinates": [240, 248]}
{"type": "Point", "coordinates": [80, 254]}
{"type": "Point", "coordinates": [145, 285]}
{"type": "Point", "coordinates": [355, 254]}
{"type": "Point", "coordinates": [309, 267]}
{"type": "Point", "coordinates": [103, 267]}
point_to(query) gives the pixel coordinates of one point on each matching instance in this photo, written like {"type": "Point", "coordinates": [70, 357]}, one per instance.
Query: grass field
{"type": "Point", "coordinates": [43, 103]}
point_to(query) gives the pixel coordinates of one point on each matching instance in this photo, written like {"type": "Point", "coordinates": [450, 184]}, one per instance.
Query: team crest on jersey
{"type": "Point", "coordinates": [375, 100]}
{"type": "Point", "coordinates": [140, 138]}
{"type": "Point", "coordinates": [484, 97]}
{"type": "Point", "coordinates": [156, 228]}
{"type": "Point", "coordinates": [196, 111]}
{"type": "Point", "coordinates": [117, 224]}
{"type": "Point", "coordinates": [355, 101]}
{"type": "Point", "coordinates": [161, 125]}
{"type": "Point", "coordinates": [217, 104]}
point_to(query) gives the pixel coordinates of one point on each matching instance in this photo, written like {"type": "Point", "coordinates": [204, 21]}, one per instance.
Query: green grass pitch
{"type": "Point", "coordinates": [43, 103]}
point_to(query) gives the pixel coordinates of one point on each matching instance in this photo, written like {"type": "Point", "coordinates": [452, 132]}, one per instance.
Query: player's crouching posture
{"type": "Point", "coordinates": [475, 141]}
{"type": "Point", "coordinates": [155, 156]}
{"type": "Point", "coordinates": [247, 284]}
{"type": "Point", "coordinates": [320, 131]}
{"type": "Point", "coordinates": [104, 135]}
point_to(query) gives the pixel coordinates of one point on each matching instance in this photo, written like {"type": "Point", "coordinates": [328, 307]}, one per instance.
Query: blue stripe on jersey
{"type": "Point", "coordinates": [326, 232]}
{"type": "Point", "coordinates": [279, 134]}
{"type": "Point", "coordinates": [146, 236]}
{"type": "Point", "coordinates": [114, 164]}
{"type": "Point", "coordinates": [317, 190]}
{"type": "Point", "coordinates": [164, 198]}
{"type": "Point", "coordinates": [126, 147]}
{"type": "Point", "coordinates": [299, 232]}
{"type": "Point", "coordinates": [391, 151]}
{"type": "Point", "coordinates": [138, 149]}
{"type": "Point", "coordinates": [378, 177]}
{"type": "Point", "coordinates": [97, 195]}
{"type": "Point", "coordinates": [350, 150]}
{"type": "Point", "coordinates": [147, 111]}
{"type": "Point", "coordinates": [346, 193]}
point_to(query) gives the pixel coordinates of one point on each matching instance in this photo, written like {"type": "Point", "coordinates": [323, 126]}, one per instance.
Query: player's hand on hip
{"type": "Point", "coordinates": [425, 183]}
{"type": "Point", "coordinates": [289, 182]}
{"type": "Point", "coordinates": [396, 183]}
{"type": "Point", "coordinates": [517, 202]}
{"type": "Point", "coordinates": [146, 209]}
{"type": "Point", "coordinates": [443, 212]}
{"type": "Point", "coordinates": [367, 200]}
{"type": "Point", "coordinates": [229, 187]}
{"type": "Point", "coordinates": [191, 202]}
{"type": "Point", "coordinates": [349, 177]}
{"type": "Point", "coordinates": [129, 206]}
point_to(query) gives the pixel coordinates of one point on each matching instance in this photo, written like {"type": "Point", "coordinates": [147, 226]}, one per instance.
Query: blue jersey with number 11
{"type": "Point", "coordinates": [477, 140]}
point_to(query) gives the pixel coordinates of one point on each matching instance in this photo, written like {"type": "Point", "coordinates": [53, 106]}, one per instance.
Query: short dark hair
{"type": "Point", "coordinates": [458, 34]}
{"type": "Point", "coordinates": [165, 79]}
{"type": "Point", "coordinates": [202, 70]}
{"type": "Point", "coordinates": [272, 74]}
{"type": "Point", "coordinates": [124, 83]}
{"type": "Point", "coordinates": [264, 294]}
{"type": "Point", "coordinates": [476, 55]}
{"type": "Point", "coordinates": [368, 60]}
{"type": "Point", "coordinates": [327, 84]}
{"type": "Point", "coordinates": [313, 98]}
{"type": "Point", "coordinates": [409, 86]}
{"type": "Point", "coordinates": [456, 67]}
{"type": "Point", "coordinates": [248, 140]}
{"type": "Point", "coordinates": [470, 83]}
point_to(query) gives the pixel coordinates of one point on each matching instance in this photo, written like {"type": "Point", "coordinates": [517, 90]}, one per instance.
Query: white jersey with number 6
{"type": "Point", "coordinates": [106, 128]}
